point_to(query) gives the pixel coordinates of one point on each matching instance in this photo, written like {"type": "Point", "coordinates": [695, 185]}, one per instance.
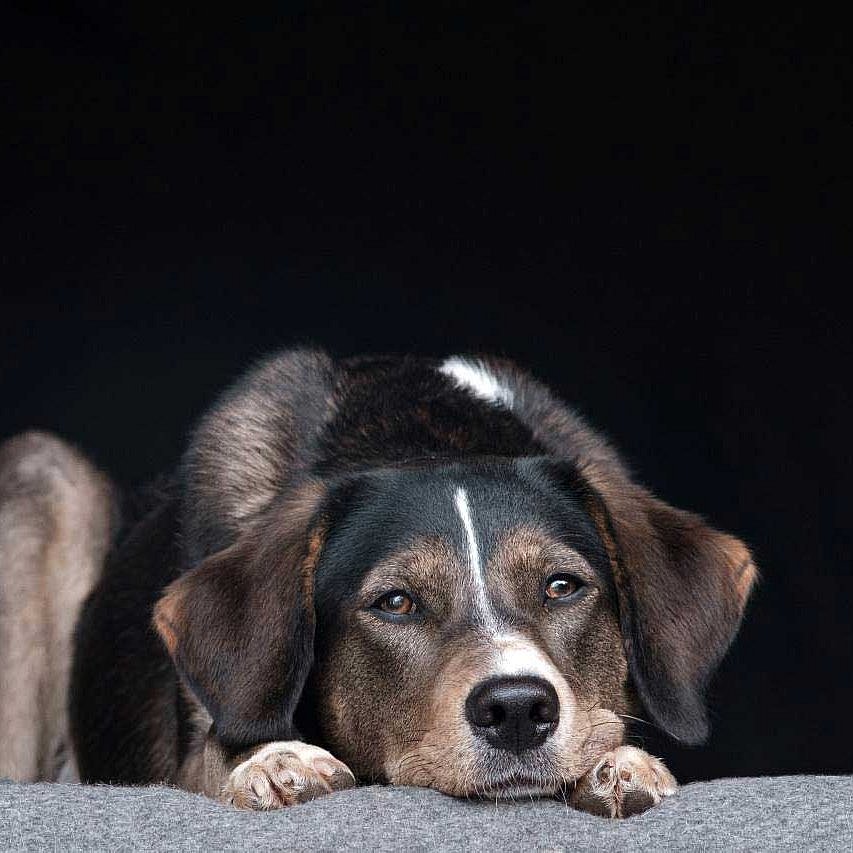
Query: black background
{"type": "Point", "coordinates": [648, 208]}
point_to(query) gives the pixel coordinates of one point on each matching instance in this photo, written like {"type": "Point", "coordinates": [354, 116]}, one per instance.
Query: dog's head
{"type": "Point", "coordinates": [476, 628]}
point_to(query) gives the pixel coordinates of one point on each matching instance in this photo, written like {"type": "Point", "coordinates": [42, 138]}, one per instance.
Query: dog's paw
{"type": "Point", "coordinates": [623, 782]}
{"type": "Point", "coordinates": [284, 773]}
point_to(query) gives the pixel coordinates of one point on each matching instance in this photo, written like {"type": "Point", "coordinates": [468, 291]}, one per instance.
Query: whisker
{"type": "Point", "coordinates": [638, 719]}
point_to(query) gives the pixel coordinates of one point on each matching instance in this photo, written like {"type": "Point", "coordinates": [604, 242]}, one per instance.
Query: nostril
{"type": "Point", "coordinates": [545, 712]}
{"type": "Point", "coordinates": [489, 715]}
{"type": "Point", "coordinates": [496, 715]}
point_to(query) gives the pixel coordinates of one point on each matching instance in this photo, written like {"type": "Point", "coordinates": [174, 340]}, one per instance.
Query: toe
{"type": "Point", "coordinates": [338, 776]}
{"type": "Point", "coordinates": [311, 789]}
{"type": "Point", "coordinates": [604, 772]}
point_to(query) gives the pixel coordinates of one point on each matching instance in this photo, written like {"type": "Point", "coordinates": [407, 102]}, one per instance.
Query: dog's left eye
{"type": "Point", "coordinates": [562, 585]}
{"type": "Point", "coordinates": [397, 603]}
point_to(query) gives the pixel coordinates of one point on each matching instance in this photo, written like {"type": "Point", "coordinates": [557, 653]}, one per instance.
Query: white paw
{"type": "Point", "coordinates": [283, 773]}
{"type": "Point", "coordinates": [624, 782]}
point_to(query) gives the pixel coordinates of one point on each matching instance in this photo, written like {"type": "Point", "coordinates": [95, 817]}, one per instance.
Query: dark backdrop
{"type": "Point", "coordinates": [648, 209]}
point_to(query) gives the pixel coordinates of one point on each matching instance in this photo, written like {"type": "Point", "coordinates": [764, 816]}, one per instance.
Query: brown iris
{"type": "Point", "coordinates": [397, 602]}
{"type": "Point", "coordinates": [561, 586]}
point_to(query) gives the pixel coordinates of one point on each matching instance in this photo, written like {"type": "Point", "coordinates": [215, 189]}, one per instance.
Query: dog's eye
{"type": "Point", "coordinates": [397, 602]}
{"type": "Point", "coordinates": [562, 585]}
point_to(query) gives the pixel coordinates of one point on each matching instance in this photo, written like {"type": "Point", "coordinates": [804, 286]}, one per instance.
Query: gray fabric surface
{"type": "Point", "coordinates": [792, 813]}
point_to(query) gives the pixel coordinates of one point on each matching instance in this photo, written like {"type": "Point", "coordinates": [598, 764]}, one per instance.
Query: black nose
{"type": "Point", "coordinates": [515, 713]}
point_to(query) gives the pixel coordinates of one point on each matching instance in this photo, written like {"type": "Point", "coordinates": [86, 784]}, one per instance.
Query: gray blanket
{"type": "Point", "coordinates": [786, 813]}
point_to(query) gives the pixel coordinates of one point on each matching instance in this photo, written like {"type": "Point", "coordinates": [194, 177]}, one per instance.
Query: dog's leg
{"type": "Point", "coordinates": [55, 523]}
{"type": "Point", "coordinates": [623, 782]}
{"type": "Point", "coordinates": [270, 776]}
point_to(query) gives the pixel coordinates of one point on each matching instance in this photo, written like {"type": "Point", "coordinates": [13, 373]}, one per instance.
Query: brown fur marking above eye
{"type": "Point", "coordinates": [526, 548]}
{"type": "Point", "coordinates": [429, 562]}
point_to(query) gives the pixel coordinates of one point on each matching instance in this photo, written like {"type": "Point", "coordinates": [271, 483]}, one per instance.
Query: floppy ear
{"type": "Point", "coordinates": [240, 625]}
{"type": "Point", "coordinates": [682, 588]}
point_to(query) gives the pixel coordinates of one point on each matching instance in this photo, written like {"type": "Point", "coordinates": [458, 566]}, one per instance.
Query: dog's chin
{"type": "Point", "coordinates": [488, 774]}
{"type": "Point", "coordinates": [507, 784]}
{"type": "Point", "coordinates": [521, 789]}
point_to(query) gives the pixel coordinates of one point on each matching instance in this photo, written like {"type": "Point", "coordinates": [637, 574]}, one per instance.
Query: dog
{"type": "Point", "coordinates": [375, 570]}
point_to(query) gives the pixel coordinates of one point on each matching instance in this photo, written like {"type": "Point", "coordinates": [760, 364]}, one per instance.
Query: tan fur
{"type": "Point", "coordinates": [309, 499]}
{"type": "Point", "coordinates": [55, 512]}
{"type": "Point", "coordinates": [166, 615]}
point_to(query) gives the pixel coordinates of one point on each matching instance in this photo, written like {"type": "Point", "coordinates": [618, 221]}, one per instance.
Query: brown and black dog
{"type": "Point", "coordinates": [394, 570]}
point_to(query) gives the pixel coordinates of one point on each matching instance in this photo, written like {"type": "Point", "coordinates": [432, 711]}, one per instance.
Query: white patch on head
{"type": "Point", "coordinates": [475, 564]}
{"type": "Point", "coordinates": [475, 377]}
{"type": "Point", "coordinates": [518, 656]}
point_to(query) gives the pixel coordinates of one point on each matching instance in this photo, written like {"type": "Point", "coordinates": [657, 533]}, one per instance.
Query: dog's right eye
{"type": "Point", "coordinates": [397, 603]}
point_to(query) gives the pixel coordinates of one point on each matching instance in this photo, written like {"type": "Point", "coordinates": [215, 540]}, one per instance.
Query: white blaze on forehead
{"type": "Point", "coordinates": [475, 563]}
{"type": "Point", "coordinates": [518, 656]}
{"type": "Point", "coordinates": [475, 377]}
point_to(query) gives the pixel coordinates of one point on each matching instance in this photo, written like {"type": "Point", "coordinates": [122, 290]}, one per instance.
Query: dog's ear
{"type": "Point", "coordinates": [240, 624]}
{"type": "Point", "coordinates": [682, 588]}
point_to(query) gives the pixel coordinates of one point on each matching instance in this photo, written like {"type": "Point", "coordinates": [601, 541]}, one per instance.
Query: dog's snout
{"type": "Point", "coordinates": [513, 713]}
